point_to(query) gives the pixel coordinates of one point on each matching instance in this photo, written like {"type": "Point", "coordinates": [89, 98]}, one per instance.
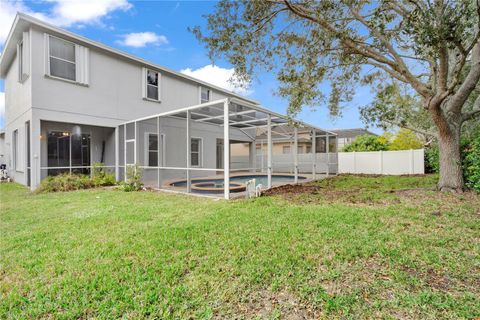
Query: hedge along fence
{"type": "Point", "coordinates": [382, 162]}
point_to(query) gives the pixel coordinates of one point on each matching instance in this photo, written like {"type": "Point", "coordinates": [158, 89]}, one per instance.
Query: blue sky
{"type": "Point", "coordinates": [157, 31]}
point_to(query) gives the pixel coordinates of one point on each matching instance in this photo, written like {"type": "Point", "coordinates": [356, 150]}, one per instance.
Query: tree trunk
{"type": "Point", "coordinates": [451, 175]}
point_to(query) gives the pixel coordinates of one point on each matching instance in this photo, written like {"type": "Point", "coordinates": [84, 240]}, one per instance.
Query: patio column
{"type": "Point", "coordinates": [262, 159]}
{"type": "Point", "coordinates": [295, 153]}
{"type": "Point", "coordinates": [117, 153]}
{"type": "Point", "coordinates": [269, 151]}
{"type": "Point", "coordinates": [253, 156]}
{"type": "Point", "coordinates": [314, 154]}
{"type": "Point", "coordinates": [189, 154]}
{"type": "Point", "coordinates": [226, 149]}
{"type": "Point", "coordinates": [327, 148]}
{"type": "Point", "coordinates": [159, 152]}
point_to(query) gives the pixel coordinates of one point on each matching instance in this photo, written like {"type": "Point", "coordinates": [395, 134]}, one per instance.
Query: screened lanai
{"type": "Point", "coordinates": [202, 148]}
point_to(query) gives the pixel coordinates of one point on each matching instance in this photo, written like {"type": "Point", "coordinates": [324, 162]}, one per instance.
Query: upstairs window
{"type": "Point", "coordinates": [23, 57]}
{"type": "Point", "coordinates": [152, 85]}
{"type": "Point", "coordinates": [20, 61]}
{"type": "Point", "coordinates": [62, 59]}
{"type": "Point", "coordinates": [286, 149]}
{"type": "Point", "coordinates": [204, 95]}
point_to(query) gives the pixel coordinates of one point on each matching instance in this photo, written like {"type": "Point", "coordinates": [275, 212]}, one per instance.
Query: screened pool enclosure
{"type": "Point", "coordinates": [203, 148]}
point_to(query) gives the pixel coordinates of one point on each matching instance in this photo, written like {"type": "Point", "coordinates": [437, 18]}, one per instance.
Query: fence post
{"type": "Point", "coordinates": [354, 163]}
{"type": "Point", "coordinates": [411, 161]}
{"type": "Point", "coordinates": [381, 162]}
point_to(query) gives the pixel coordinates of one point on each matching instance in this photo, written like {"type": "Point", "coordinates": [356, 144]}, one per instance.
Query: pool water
{"type": "Point", "coordinates": [259, 179]}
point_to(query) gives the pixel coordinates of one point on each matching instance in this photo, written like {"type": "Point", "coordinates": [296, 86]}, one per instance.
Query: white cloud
{"type": "Point", "coordinates": [220, 77]}
{"type": "Point", "coordinates": [63, 13]}
{"type": "Point", "coordinates": [141, 39]}
{"type": "Point", "coordinates": [68, 12]}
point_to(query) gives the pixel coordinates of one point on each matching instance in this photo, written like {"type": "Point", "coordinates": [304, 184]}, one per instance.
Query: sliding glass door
{"type": "Point", "coordinates": [68, 153]}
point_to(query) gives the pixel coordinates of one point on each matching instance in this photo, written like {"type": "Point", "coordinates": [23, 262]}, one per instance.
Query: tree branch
{"type": "Point", "coordinates": [420, 131]}
{"type": "Point", "coordinates": [458, 99]}
{"type": "Point", "coordinates": [474, 113]}
{"type": "Point", "coordinates": [395, 67]}
{"type": "Point", "coordinates": [269, 18]}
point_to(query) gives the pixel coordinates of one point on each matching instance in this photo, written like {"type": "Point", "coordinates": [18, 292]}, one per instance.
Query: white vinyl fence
{"type": "Point", "coordinates": [284, 163]}
{"type": "Point", "coordinates": [382, 162]}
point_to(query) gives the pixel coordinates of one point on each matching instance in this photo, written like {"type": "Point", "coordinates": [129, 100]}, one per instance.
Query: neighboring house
{"type": "Point", "coordinates": [346, 136]}
{"type": "Point", "coordinates": [71, 101]}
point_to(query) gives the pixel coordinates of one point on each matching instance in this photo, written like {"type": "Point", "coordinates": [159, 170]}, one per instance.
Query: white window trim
{"type": "Point", "coordinates": [145, 85]}
{"type": "Point", "coordinates": [200, 94]}
{"type": "Point", "coordinates": [85, 71]}
{"type": "Point", "coordinates": [147, 150]}
{"type": "Point", "coordinates": [20, 58]}
{"type": "Point", "coordinates": [200, 151]}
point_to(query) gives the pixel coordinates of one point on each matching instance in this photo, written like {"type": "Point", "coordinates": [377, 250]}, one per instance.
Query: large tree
{"type": "Point", "coordinates": [425, 44]}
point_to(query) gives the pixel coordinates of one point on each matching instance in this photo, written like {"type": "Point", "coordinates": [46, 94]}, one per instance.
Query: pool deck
{"type": "Point", "coordinates": [167, 186]}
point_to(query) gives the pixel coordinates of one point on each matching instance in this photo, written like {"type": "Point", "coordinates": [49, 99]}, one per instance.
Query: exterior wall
{"type": "Point", "coordinates": [113, 96]}
{"type": "Point", "coordinates": [382, 162]}
{"type": "Point", "coordinates": [114, 91]}
{"type": "Point", "coordinates": [18, 103]}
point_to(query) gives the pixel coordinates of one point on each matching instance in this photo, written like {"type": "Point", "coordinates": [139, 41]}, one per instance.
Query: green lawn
{"type": "Point", "coordinates": [347, 247]}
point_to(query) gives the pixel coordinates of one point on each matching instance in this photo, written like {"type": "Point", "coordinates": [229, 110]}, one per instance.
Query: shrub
{"type": "Point", "coordinates": [470, 161]}
{"type": "Point", "coordinates": [100, 177]}
{"type": "Point", "coordinates": [471, 164]}
{"type": "Point", "coordinates": [70, 182]}
{"type": "Point", "coordinates": [367, 142]}
{"type": "Point", "coordinates": [405, 139]}
{"type": "Point", "coordinates": [133, 179]}
{"type": "Point", "coordinates": [432, 162]}
{"type": "Point", "coordinates": [65, 182]}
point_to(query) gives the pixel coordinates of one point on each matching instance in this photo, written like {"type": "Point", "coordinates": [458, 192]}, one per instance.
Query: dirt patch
{"type": "Point", "coordinates": [439, 202]}
{"type": "Point", "coordinates": [266, 304]}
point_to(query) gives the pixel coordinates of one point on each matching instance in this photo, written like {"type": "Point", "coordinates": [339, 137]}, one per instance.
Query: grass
{"type": "Point", "coordinates": [377, 252]}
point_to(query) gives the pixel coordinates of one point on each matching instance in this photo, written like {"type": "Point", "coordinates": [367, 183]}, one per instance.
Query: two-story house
{"type": "Point", "coordinates": [68, 101]}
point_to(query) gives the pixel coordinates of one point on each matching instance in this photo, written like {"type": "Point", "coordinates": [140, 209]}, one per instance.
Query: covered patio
{"type": "Point", "coordinates": [186, 150]}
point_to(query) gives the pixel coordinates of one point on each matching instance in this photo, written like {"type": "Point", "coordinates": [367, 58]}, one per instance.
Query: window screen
{"type": "Point", "coordinates": [195, 152]}
{"type": "Point", "coordinates": [204, 95]}
{"type": "Point", "coordinates": [152, 85]}
{"type": "Point", "coordinates": [62, 59]}
{"type": "Point", "coordinates": [152, 150]}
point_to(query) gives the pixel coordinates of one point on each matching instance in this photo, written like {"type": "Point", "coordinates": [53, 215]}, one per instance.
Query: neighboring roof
{"type": "Point", "coordinates": [22, 21]}
{"type": "Point", "coordinates": [352, 133]}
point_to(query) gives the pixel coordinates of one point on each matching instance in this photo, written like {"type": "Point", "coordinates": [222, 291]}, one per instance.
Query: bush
{"type": "Point", "coordinates": [65, 182]}
{"type": "Point", "coordinates": [405, 139]}
{"type": "Point", "coordinates": [70, 182]}
{"type": "Point", "coordinates": [133, 179]}
{"type": "Point", "coordinates": [432, 161]}
{"type": "Point", "coordinates": [470, 161]}
{"type": "Point", "coordinates": [100, 177]}
{"type": "Point", "coordinates": [471, 164]}
{"type": "Point", "coordinates": [367, 142]}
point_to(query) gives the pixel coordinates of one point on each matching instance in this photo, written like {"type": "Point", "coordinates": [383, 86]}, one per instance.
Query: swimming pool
{"type": "Point", "coordinates": [237, 183]}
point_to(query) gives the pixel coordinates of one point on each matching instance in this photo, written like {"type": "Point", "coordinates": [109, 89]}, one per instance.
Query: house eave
{"type": "Point", "coordinates": [10, 51]}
